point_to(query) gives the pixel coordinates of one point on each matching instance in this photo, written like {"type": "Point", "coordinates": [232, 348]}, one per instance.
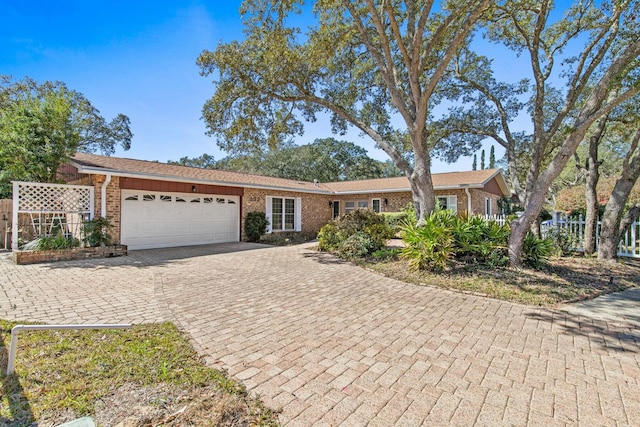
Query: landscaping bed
{"type": "Point", "coordinates": [560, 280]}
{"type": "Point", "coordinates": [34, 257]}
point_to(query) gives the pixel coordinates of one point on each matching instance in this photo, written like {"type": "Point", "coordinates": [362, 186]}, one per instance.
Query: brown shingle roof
{"type": "Point", "coordinates": [440, 181]}
{"type": "Point", "coordinates": [146, 169]}
{"type": "Point", "coordinates": [92, 163]}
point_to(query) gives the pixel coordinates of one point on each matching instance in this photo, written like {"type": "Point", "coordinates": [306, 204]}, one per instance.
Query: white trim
{"type": "Point", "coordinates": [468, 193]}
{"type": "Point", "coordinates": [14, 214]}
{"type": "Point", "coordinates": [103, 197]}
{"type": "Point", "coordinates": [452, 201]}
{"type": "Point", "coordinates": [298, 214]}
{"type": "Point", "coordinates": [379, 204]}
{"type": "Point", "coordinates": [488, 203]}
{"type": "Point", "coordinates": [268, 207]}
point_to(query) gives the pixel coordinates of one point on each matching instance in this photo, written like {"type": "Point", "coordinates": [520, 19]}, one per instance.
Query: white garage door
{"type": "Point", "coordinates": [157, 220]}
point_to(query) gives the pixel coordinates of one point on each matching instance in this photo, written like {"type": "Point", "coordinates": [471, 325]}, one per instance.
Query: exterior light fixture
{"type": "Point", "coordinates": [193, 188]}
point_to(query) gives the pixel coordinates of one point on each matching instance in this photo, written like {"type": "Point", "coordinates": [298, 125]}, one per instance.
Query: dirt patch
{"type": "Point", "coordinates": [134, 405]}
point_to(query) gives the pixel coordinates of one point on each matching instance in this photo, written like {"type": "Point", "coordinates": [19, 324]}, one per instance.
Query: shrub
{"type": "Point", "coordinates": [45, 243]}
{"type": "Point", "coordinates": [334, 235]}
{"type": "Point", "coordinates": [255, 225]}
{"type": "Point", "coordinates": [481, 241]}
{"type": "Point", "coordinates": [395, 220]}
{"type": "Point", "coordinates": [286, 238]}
{"type": "Point", "coordinates": [430, 246]}
{"type": "Point", "coordinates": [536, 251]}
{"type": "Point", "coordinates": [96, 232]}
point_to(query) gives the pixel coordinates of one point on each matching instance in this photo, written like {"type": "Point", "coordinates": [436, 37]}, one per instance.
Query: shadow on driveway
{"type": "Point", "coordinates": [159, 257]}
{"type": "Point", "coordinates": [607, 336]}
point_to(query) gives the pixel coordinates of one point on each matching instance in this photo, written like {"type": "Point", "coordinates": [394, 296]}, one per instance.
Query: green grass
{"type": "Point", "coordinates": [71, 370]}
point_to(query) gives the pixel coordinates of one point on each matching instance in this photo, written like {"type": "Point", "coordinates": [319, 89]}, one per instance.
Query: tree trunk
{"type": "Point", "coordinates": [591, 194]}
{"type": "Point", "coordinates": [612, 225]}
{"type": "Point", "coordinates": [522, 226]}
{"type": "Point", "coordinates": [422, 187]}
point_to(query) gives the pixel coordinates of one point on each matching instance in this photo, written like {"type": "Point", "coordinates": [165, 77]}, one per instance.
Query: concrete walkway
{"type": "Point", "coordinates": [333, 344]}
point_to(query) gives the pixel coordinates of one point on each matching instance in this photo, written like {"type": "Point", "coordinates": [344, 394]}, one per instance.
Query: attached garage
{"type": "Point", "coordinates": [163, 219]}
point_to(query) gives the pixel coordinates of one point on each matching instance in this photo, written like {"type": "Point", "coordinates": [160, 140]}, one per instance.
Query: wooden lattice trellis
{"type": "Point", "coordinates": [51, 208]}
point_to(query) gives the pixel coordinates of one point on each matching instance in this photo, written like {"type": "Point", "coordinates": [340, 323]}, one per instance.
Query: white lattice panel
{"type": "Point", "coordinates": [37, 197]}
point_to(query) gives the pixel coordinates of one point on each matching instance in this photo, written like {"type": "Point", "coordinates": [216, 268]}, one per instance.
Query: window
{"type": "Point", "coordinates": [220, 200]}
{"type": "Point", "coordinates": [208, 199]}
{"type": "Point", "coordinates": [349, 206]}
{"type": "Point", "coordinates": [180, 199]}
{"type": "Point", "coordinates": [164, 198]}
{"type": "Point", "coordinates": [197, 200]}
{"type": "Point", "coordinates": [363, 204]}
{"type": "Point", "coordinates": [336, 209]}
{"type": "Point", "coordinates": [448, 202]}
{"type": "Point", "coordinates": [148, 198]}
{"type": "Point", "coordinates": [283, 213]}
{"type": "Point", "coordinates": [132, 197]}
{"type": "Point", "coordinates": [487, 206]}
{"type": "Point", "coordinates": [375, 205]}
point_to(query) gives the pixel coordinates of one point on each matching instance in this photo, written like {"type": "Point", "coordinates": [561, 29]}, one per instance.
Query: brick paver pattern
{"type": "Point", "coordinates": [333, 344]}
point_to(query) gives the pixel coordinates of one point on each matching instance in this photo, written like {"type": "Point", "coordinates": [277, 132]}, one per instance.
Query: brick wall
{"type": "Point", "coordinates": [113, 203]}
{"type": "Point", "coordinates": [478, 198]}
{"type": "Point", "coordinates": [315, 207]}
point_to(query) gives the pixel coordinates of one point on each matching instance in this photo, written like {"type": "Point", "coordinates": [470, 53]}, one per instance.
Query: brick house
{"type": "Point", "coordinates": [154, 205]}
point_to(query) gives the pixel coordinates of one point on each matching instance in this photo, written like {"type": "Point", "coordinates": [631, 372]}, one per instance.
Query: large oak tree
{"type": "Point", "coordinates": [568, 93]}
{"type": "Point", "coordinates": [367, 63]}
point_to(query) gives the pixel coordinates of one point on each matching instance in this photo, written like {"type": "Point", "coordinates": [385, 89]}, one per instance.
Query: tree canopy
{"type": "Point", "coordinates": [368, 64]}
{"type": "Point", "coordinates": [42, 125]}
{"type": "Point", "coordinates": [325, 159]}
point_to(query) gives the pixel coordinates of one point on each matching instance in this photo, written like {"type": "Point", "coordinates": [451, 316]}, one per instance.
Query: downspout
{"type": "Point", "coordinates": [103, 196]}
{"type": "Point", "coordinates": [468, 193]}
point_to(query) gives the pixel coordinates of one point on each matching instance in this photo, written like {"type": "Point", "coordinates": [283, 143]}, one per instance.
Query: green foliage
{"type": "Point", "coordinates": [396, 220]}
{"type": "Point", "coordinates": [355, 234]}
{"type": "Point", "coordinates": [326, 160]}
{"type": "Point", "coordinates": [446, 237]}
{"type": "Point", "coordinates": [481, 241]}
{"type": "Point", "coordinates": [255, 225]}
{"type": "Point", "coordinates": [536, 251]}
{"type": "Point", "coordinates": [46, 243]}
{"type": "Point", "coordinates": [286, 238]}
{"type": "Point", "coordinates": [430, 246]}
{"type": "Point", "coordinates": [386, 254]}
{"type": "Point", "coordinates": [42, 125]}
{"type": "Point", "coordinates": [96, 232]}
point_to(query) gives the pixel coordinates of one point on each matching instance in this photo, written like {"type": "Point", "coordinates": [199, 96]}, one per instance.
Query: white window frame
{"type": "Point", "coordinates": [348, 209]}
{"type": "Point", "coordinates": [297, 212]}
{"type": "Point", "coordinates": [373, 205]}
{"type": "Point", "coordinates": [452, 202]}
{"type": "Point", "coordinates": [487, 206]}
{"type": "Point", "coordinates": [334, 204]}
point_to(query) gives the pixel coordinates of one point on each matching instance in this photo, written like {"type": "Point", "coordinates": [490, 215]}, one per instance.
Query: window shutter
{"type": "Point", "coordinates": [298, 224]}
{"type": "Point", "coordinates": [452, 203]}
{"type": "Point", "coordinates": [268, 212]}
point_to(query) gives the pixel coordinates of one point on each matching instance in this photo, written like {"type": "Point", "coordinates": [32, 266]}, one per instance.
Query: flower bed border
{"type": "Point", "coordinates": [34, 257]}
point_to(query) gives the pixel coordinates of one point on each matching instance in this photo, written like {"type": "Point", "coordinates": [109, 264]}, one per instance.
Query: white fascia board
{"type": "Point", "coordinates": [405, 190]}
{"type": "Point", "coordinates": [102, 171]}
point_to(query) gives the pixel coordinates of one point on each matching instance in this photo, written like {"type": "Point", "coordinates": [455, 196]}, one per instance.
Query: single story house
{"type": "Point", "coordinates": [153, 205]}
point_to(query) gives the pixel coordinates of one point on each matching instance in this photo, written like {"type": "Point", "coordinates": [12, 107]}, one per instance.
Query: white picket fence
{"type": "Point", "coordinates": [573, 230]}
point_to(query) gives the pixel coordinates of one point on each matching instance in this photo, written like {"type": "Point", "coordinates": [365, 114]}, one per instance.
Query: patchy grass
{"type": "Point", "coordinates": [149, 373]}
{"type": "Point", "coordinates": [561, 280]}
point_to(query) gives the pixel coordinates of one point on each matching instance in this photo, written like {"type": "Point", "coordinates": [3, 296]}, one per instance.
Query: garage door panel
{"type": "Point", "coordinates": [163, 221]}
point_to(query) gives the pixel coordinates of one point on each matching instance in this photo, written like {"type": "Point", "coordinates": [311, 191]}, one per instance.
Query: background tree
{"type": "Point", "coordinates": [474, 166]}
{"type": "Point", "coordinates": [482, 164]}
{"type": "Point", "coordinates": [492, 157]}
{"type": "Point", "coordinates": [594, 82]}
{"type": "Point", "coordinates": [42, 125]}
{"type": "Point", "coordinates": [326, 160]}
{"type": "Point", "coordinates": [364, 63]}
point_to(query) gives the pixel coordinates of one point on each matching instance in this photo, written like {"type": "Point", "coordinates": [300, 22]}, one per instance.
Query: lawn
{"type": "Point", "coordinates": [561, 280]}
{"type": "Point", "coordinates": [147, 375]}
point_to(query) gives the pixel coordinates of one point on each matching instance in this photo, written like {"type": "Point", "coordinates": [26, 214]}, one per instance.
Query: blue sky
{"type": "Point", "coordinates": [137, 58]}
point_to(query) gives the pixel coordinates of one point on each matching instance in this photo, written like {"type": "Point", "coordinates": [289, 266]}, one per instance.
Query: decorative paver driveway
{"type": "Point", "coordinates": [334, 344]}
